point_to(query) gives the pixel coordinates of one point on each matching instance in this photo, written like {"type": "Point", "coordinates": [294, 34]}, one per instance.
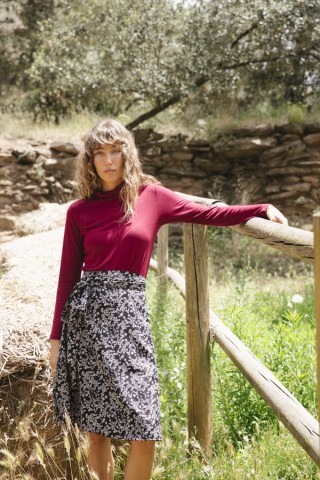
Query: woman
{"type": "Point", "coordinates": [102, 354]}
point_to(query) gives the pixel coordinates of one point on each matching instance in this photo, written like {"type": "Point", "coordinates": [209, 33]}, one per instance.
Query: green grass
{"type": "Point", "coordinates": [254, 298]}
{"type": "Point", "coordinates": [181, 119]}
{"type": "Point", "coordinates": [252, 289]}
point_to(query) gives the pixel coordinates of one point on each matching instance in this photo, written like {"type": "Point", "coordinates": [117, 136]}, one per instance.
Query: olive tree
{"type": "Point", "coordinates": [109, 56]}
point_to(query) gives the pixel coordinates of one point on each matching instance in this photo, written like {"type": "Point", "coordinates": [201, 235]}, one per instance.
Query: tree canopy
{"type": "Point", "coordinates": [111, 56]}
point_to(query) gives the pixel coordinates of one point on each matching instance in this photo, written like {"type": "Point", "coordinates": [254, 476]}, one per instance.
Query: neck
{"type": "Point", "coordinates": [106, 187]}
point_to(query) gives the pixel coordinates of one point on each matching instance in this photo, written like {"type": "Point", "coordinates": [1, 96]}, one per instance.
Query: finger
{"type": "Point", "coordinates": [280, 219]}
{"type": "Point", "coordinates": [275, 215]}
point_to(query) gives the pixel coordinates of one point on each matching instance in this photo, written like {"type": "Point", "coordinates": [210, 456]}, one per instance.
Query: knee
{"type": "Point", "coordinates": [144, 446]}
{"type": "Point", "coordinates": [97, 439]}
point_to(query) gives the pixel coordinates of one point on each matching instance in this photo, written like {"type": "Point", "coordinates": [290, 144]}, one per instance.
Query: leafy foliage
{"type": "Point", "coordinates": [111, 57]}
{"type": "Point", "coordinates": [18, 38]}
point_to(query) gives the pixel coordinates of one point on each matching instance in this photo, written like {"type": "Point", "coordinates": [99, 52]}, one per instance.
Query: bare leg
{"type": "Point", "coordinates": [140, 460]}
{"type": "Point", "coordinates": [100, 458]}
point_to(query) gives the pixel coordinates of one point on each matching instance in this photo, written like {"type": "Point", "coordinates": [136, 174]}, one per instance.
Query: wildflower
{"type": "Point", "coordinates": [297, 298]}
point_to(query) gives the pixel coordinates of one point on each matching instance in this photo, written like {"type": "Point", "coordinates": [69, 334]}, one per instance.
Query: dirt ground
{"type": "Point", "coordinates": [30, 269]}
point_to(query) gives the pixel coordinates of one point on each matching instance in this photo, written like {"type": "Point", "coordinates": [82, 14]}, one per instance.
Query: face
{"type": "Point", "coordinates": [108, 161]}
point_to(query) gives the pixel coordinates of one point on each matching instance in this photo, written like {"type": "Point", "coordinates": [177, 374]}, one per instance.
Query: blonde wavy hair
{"type": "Point", "coordinates": [88, 182]}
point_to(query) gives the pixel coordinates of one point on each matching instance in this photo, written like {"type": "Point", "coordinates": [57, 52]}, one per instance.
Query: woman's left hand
{"type": "Point", "coordinates": [275, 215]}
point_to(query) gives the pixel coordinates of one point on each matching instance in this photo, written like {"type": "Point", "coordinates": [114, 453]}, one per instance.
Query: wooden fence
{"type": "Point", "coordinates": [203, 326]}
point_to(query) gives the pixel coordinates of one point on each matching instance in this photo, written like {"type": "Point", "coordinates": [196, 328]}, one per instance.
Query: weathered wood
{"type": "Point", "coordinates": [162, 254]}
{"type": "Point", "coordinates": [292, 241]}
{"type": "Point", "coordinates": [316, 269]}
{"type": "Point", "coordinates": [292, 414]}
{"type": "Point", "coordinates": [174, 276]}
{"type": "Point", "coordinates": [198, 335]}
{"type": "Point", "coordinates": [302, 425]}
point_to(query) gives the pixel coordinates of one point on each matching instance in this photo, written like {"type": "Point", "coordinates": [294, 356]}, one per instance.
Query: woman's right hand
{"type": "Point", "coordinates": [54, 351]}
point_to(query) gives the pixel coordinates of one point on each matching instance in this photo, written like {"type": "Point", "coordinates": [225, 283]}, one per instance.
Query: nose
{"type": "Point", "coordinates": [107, 157]}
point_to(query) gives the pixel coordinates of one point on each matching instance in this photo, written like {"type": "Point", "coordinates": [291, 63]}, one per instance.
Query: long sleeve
{"type": "Point", "coordinates": [70, 268]}
{"type": "Point", "coordinates": [173, 208]}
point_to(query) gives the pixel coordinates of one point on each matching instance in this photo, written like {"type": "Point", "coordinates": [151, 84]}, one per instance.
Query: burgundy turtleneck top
{"type": "Point", "coordinates": [94, 240]}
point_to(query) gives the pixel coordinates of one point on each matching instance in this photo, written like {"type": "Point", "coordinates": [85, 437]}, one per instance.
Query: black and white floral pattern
{"type": "Point", "coordinates": [107, 378]}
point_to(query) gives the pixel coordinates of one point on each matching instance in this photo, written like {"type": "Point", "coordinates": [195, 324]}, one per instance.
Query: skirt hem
{"type": "Point", "coordinates": [111, 435]}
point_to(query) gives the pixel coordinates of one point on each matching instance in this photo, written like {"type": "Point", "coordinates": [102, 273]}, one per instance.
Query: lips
{"type": "Point", "coordinates": [108, 170]}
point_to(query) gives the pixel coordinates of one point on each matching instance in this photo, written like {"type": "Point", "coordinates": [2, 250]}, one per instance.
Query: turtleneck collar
{"type": "Point", "coordinates": [114, 193]}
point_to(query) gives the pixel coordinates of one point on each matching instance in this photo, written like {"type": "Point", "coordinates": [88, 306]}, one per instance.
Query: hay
{"type": "Point", "coordinates": [27, 301]}
{"type": "Point", "coordinates": [31, 443]}
{"type": "Point", "coordinates": [23, 350]}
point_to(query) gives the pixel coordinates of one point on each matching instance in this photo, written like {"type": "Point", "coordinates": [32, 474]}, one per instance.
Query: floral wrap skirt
{"type": "Point", "coordinates": [107, 379]}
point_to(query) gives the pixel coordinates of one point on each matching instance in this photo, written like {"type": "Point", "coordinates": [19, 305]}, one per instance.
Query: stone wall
{"type": "Point", "coordinates": [274, 164]}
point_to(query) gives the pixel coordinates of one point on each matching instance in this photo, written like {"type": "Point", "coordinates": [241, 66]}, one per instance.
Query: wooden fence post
{"type": "Point", "coordinates": [162, 256]}
{"type": "Point", "coordinates": [316, 232]}
{"type": "Point", "coordinates": [198, 335]}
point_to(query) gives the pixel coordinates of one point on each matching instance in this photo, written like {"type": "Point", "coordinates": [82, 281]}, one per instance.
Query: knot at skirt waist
{"type": "Point", "coordinates": [114, 279]}
{"type": "Point", "coordinates": [97, 280]}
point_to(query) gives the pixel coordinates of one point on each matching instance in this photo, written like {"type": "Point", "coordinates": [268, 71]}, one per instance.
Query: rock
{"type": "Point", "coordinates": [298, 158]}
{"type": "Point", "coordinates": [66, 166]}
{"type": "Point", "coordinates": [291, 128]}
{"type": "Point", "coordinates": [311, 128]}
{"type": "Point", "coordinates": [6, 198]}
{"type": "Point", "coordinates": [289, 179]}
{"type": "Point", "coordinates": [6, 171]}
{"type": "Point", "coordinates": [6, 158]}
{"type": "Point", "coordinates": [57, 185]}
{"type": "Point", "coordinates": [34, 203]}
{"type": "Point", "coordinates": [165, 144]}
{"type": "Point", "coordinates": [32, 189]}
{"type": "Point", "coordinates": [6, 223]}
{"type": "Point", "coordinates": [64, 147]}
{"type": "Point", "coordinates": [298, 187]}
{"type": "Point", "coordinates": [211, 165]}
{"type": "Point", "coordinates": [272, 189]}
{"type": "Point", "coordinates": [50, 179]}
{"type": "Point", "coordinates": [151, 170]}
{"type": "Point", "coordinates": [283, 151]}
{"type": "Point", "coordinates": [263, 130]}
{"type": "Point", "coordinates": [16, 153]}
{"type": "Point", "coordinates": [42, 159]}
{"type": "Point", "coordinates": [142, 135]}
{"type": "Point", "coordinates": [287, 138]}
{"type": "Point", "coordinates": [285, 171]}
{"type": "Point", "coordinates": [244, 147]}
{"type": "Point", "coordinates": [182, 158]}
{"type": "Point", "coordinates": [200, 150]}
{"type": "Point", "coordinates": [312, 140]}
{"type": "Point", "coordinates": [180, 171]}
{"type": "Point", "coordinates": [50, 164]}
{"type": "Point", "coordinates": [198, 143]}
{"type": "Point", "coordinates": [283, 195]}
{"type": "Point", "coordinates": [6, 183]}
{"type": "Point", "coordinates": [314, 194]}
{"type": "Point", "coordinates": [27, 158]}
{"type": "Point", "coordinates": [155, 162]}
{"type": "Point", "coordinates": [152, 151]}
{"type": "Point", "coordinates": [311, 179]}
{"type": "Point", "coordinates": [182, 155]}
{"type": "Point", "coordinates": [310, 164]}
{"type": "Point", "coordinates": [155, 136]}
{"type": "Point", "coordinates": [304, 201]}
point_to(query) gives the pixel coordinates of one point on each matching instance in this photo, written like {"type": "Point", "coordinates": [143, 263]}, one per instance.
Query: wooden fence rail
{"type": "Point", "coordinates": [289, 240]}
{"type": "Point", "coordinates": [302, 425]}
